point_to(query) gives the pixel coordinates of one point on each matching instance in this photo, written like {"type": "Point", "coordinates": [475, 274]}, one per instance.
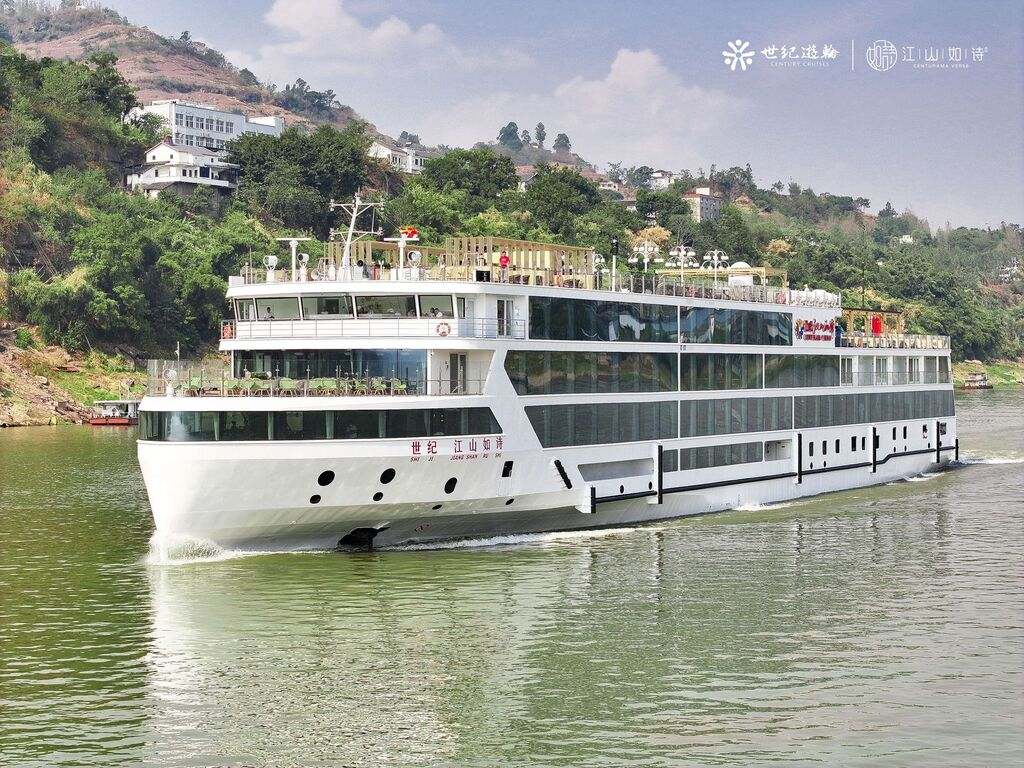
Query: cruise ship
{"type": "Point", "coordinates": [386, 396]}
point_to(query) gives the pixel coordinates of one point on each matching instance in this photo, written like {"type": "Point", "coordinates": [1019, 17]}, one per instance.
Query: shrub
{"type": "Point", "coordinates": [23, 339]}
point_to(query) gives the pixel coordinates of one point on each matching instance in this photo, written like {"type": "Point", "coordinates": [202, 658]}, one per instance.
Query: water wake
{"type": "Point", "coordinates": [768, 507]}
{"type": "Point", "coordinates": [969, 460]}
{"type": "Point", "coordinates": [175, 549]}
{"type": "Point", "coordinates": [553, 537]}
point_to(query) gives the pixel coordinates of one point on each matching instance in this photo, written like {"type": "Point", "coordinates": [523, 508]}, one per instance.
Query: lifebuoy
{"type": "Point", "coordinates": [443, 329]}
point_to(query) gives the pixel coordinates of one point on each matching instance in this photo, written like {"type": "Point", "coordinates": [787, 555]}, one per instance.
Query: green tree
{"type": "Point", "coordinates": [509, 137]}
{"type": "Point", "coordinates": [540, 134]}
{"type": "Point", "coordinates": [481, 173]}
{"type": "Point", "coordinates": [562, 143]}
{"type": "Point", "coordinates": [556, 196]}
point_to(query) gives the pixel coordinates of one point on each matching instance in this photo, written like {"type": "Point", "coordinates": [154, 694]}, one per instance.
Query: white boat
{"type": "Point", "coordinates": [368, 404]}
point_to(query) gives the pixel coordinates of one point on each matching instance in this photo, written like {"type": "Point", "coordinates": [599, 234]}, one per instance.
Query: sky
{"type": "Point", "coordinates": [648, 83]}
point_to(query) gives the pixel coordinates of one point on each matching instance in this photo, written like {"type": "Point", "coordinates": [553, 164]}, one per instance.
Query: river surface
{"type": "Point", "coordinates": [882, 626]}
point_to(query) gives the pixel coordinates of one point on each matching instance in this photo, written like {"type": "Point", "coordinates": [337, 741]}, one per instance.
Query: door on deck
{"type": "Point", "coordinates": [504, 317]}
{"type": "Point", "coordinates": [457, 373]}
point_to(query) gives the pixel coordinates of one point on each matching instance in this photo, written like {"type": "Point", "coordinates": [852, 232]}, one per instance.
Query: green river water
{"type": "Point", "coordinates": [874, 627]}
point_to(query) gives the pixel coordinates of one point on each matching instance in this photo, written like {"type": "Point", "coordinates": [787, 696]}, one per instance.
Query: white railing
{"type": "Point", "coordinates": [626, 282]}
{"type": "Point", "coordinates": [893, 341]}
{"type": "Point", "coordinates": [383, 327]}
{"type": "Point", "coordinates": [894, 378]}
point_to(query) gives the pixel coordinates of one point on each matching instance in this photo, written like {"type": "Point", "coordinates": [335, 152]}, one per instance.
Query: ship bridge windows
{"type": "Point", "coordinates": [278, 308]}
{"type": "Point", "coordinates": [326, 306]}
{"type": "Point", "coordinates": [436, 306]}
{"type": "Point", "coordinates": [245, 309]}
{"type": "Point", "coordinates": [386, 306]}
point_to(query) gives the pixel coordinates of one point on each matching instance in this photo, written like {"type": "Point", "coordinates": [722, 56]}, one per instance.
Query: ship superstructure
{"type": "Point", "coordinates": [499, 386]}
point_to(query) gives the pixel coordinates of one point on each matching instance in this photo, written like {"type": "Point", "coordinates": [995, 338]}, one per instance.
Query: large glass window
{"type": "Point", "coordinates": [705, 325]}
{"type": "Point", "coordinates": [801, 371]}
{"type": "Point", "coordinates": [326, 306]}
{"type": "Point", "coordinates": [245, 309]}
{"type": "Point", "coordinates": [301, 425]}
{"type": "Point", "coordinates": [436, 306]}
{"type": "Point", "coordinates": [278, 309]}
{"type": "Point", "coordinates": [582, 320]}
{"type": "Point", "coordinates": [243, 425]}
{"type": "Point", "coordinates": [208, 426]}
{"type": "Point", "coordinates": [726, 416]}
{"type": "Point", "coordinates": [837, 410]}
{"type": "Point", "coordinates": [706, 456]}
{"type": "Point", "coordinates": [386, 306]}
{"type": "Point", "coordinates": [544, 373]}
{"type": "Point", "coordinates": [409, 365]}
{"type": "Point", "coordinates": [597, 423]}
{"type": "Point", "coordinates": [705, 372]}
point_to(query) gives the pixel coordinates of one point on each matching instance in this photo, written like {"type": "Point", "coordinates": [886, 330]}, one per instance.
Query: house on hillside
{"type": "Point", "coordinates": [525, 174]}
{"type": "Point", "coordinates": [182, 169]}
{"type": "Point", "coordinates": [198, 125]}
{"type": "Point", "coordinates": [704, 206]}
{"type": "Point", "coordinates": [405, 158]}
{"type": "Point", "coordinates": [662, 179]}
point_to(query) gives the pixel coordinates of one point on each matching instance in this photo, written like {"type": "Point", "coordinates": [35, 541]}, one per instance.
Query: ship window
{"type": "Point", "coordinates": [244, 425]}
{"type": "Point", "coordinates": [670, 461]}
{"type": "Point", "coordinates": [720, 455]}
{"type": "Point", "coordinates": [801, 371]}
{"type": "Point", "coordinates": [245, 309]}
{"type": "Point", "coordinates": [436, 306]}
{"type": "Point", "coordinates": [300, 425]}
{"type": "Point", "coordinates": [278, 309]}
{"type": "Point", "coordinates": [853, 444]}
{"type": "Point", "coordinates": [837, 445]}
{"type": "Point", "coordinates": [326, 306]}
{"type": "Point", "coordinates": [386, 306]}
{"type": "Point", "coordinates": [810, 449]}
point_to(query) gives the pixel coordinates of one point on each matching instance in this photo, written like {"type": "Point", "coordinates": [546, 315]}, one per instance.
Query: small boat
{"type": "Point", "coordinates": [115, 413]}
{"type": "Point", "coordinates": [977, 381]}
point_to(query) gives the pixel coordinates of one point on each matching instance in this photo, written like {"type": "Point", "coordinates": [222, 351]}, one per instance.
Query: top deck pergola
{"type": "Point", "coordinates": [478, 259]}
{"type": "Point", "coordinates": [859, 320]}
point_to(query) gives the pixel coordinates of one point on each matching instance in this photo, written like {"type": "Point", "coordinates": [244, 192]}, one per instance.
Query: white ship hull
{"type": "Point", "coordinates": [257, 496]}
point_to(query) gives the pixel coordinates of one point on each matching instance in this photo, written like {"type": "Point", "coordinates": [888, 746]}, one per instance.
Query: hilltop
{"type": "Point", "coordinates": [162, 67]}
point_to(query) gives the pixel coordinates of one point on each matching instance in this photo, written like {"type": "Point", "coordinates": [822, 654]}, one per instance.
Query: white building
{"type": "Point", "coordinates": [703, 205]}
{"type": "Point", "coordinates": [662, 179]}
{"type": "Point", "coordinates": [406, 159]}
{"type": "Point", "coordinates": [198, 125]}
{"type": "Point", "coordinates": [182, 170]}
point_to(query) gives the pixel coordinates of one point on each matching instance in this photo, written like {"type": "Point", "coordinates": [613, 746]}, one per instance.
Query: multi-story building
{"type": "Point", "coordinates": [704, 206]}
{"type": "Point", "coordinates": [199, 125]}
{"type": "Point", "coordinates": [406, 158]}
{"type": "Point", "coordinates": [182, 169]}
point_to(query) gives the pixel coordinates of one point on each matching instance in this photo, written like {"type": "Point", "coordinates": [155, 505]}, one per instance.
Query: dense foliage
{"type": "Point", "coordinates": [90, 264]}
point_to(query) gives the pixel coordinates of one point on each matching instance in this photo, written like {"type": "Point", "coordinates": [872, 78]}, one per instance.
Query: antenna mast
{"type": "Point", "coordinates": [355, 209]}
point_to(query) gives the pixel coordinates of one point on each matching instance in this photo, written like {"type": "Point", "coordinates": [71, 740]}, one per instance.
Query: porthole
{"type": "Point", "coordinates": [449, 487]}
{"type": "Point", "coordinates": [650, 486]}
{"type": "Point", "coordinates": [622, 489]}
{"type": "Point", "coordinates": [437, 507]}
{"type": "Point", "coordinates": [314, 499]}
{"type": "Point", "coordinates": [326, 478]}
{"type": "Point", "coordinates": [378, 496]}
{"type": "Point", "coordinates": [387, 475]}
{"type": "Point", "coordinates": [509, 502]}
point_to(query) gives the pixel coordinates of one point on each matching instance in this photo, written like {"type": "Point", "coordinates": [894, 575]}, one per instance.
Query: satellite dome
{"type": "Point", "coordinates": [740, 265]}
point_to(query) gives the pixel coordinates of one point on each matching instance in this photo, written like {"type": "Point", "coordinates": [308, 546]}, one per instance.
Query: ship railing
{"type": "Point", "coordinates": [893, 341]}
{"type": "Point", "coordinates": [211, 379]}
{"type": "Point", "coordinates": [375, 327]}
{"type": "Point", "coordinates": [625, 282]}
{"type": "Point", "coordinates": [894, 378]}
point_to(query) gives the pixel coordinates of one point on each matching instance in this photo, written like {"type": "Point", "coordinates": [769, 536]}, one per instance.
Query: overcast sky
{"type": "Point", "coordinates": [647, 83]}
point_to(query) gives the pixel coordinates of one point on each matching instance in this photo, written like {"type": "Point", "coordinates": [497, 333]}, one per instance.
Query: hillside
{"type": "Point", "coordinates": [161, 67]}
